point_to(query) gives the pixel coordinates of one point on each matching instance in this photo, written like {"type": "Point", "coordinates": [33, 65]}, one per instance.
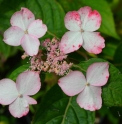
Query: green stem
{"type": "Point", "coordinates": [53, 35]}
{"type": "Point", "coordinates": [76, 66]}
{"type": "Point", "coordinates": [92, 55]}
{"type": "Point", "coordinates": [32, 109]}
{"type": "Point", "coordinates": [64, 117]}
{"type": "Point", "coordinates": [82, 54]}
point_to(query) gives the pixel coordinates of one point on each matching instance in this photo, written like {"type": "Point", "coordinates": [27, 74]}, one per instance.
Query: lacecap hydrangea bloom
{"type": "Point", "coordinates": [89, 88]}
{"type": "Point", "coordinates": [81, 25]}
{"type": "Point", "coordinates": [25, 31]}
{"type": "Point", "coordinates": [16, 95]}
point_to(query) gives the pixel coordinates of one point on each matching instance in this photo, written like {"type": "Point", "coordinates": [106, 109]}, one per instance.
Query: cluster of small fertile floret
{"type": "Point", "coordinates": [55, 61]}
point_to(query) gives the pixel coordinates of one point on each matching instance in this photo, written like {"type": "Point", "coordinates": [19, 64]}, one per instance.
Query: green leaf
{"type": "Point", "coordinates": [118, 58]}
{"type": "Point", "coordinates": [17, 71]}
{"type": "Point", "coordinates": [57, 108]}
{"type": "Point", "coordinates": [107, 26]}
{"type": "Point", "coordinates": [110, 49]}
{"type": "Point", "coordinates": [111, 113]}
{"type": "Point", "coordinates": [4, 48]}
{"type": "Point", "coordinates": [112, 91]}
{"type": "Point", "coordinates": [51, 13]}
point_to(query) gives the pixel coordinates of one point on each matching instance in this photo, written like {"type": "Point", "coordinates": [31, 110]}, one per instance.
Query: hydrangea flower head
{"type": "Point", "coordinates": [81, 25]}
{"type": "Point", "coordinates": [25, 31]}
{"type": "Point", "coordinates": [17, 94]}
{"type": "Point", "coordinates": [89, 88]}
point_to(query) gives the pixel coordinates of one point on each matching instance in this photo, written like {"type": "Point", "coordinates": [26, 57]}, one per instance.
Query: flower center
{"type": "Point", "coordinates": [26, 32]}
{"type": "Point", "coordinates": [87, 84]}
{"type": "Point", "coordinates": [20, 95]}
{"type": "Point", "coordinates": [82, 30]}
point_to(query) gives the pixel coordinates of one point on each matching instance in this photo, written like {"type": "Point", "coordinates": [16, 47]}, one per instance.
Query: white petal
{"type": "Point", "coordinates": [73, 83]}
{"type": "Point", "coordinates": [72, 21]}
{"type": "Point", "coordinates": [30, 100]}
{"type": "Point", "coordinates": [90, 98]}
{"type": "Point", "coordinates": [84, 11]}
{"type": "Point", "coordinates": [19, 107]}
{"type": "Point", "coordinates": [97, 73]}
{"type": "Point", "coordinates": [93, 42]}
{"type": "Point", "coordinates": [37, 29]}
{"type": "Point", "coordinates": [13, 36]}
{"type": "Point", "coordinates": [30, 44]}
{"type": "Point", "coordinates": [22, 18]}
{"type": "Point", "coordinates": [71, 41]}
{"type": "Point", "coordinates": [8, 91]}
{"type": "Point", "coordinates": [91, 20]}
{"type": "Point", "coordinates": [28, 83]}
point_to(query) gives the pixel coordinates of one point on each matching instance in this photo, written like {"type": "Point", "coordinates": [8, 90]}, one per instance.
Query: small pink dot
{"type": "Point", "coordinates": [79, 45]}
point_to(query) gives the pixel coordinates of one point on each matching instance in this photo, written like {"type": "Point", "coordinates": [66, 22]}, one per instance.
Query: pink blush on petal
{"type": "Point", "coordinates": [97, 50]}
{"type": "Point", "coordinates": [79, 45]}
{"type": "Point", "coordinates": [25, 113]}
{"type": "Point", "coordinates": [28, 12]}
{"type": "Point", "coordinates": [70, 41]}
{"type": "Point", "coordinates": [95, 16]}
{"type": "Point", "coordinates": [95, 107]}
{"type": "Point", "coordinates": [92, 21]}
{"type": "Point", "coordinates": [72, 21]}
{"type": "Point", "coordinates": [75, 16]}
{"type": "Point", "coordinates": [88, 106]}
{"type": "Point", "coordinates": [98, 23]}
{"type": "Point", "coordinates": [93, 42]}
{"type": "Point", "coordinates": [94, 13]}
{"type": "Point", "coordinates": [91, 107]}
